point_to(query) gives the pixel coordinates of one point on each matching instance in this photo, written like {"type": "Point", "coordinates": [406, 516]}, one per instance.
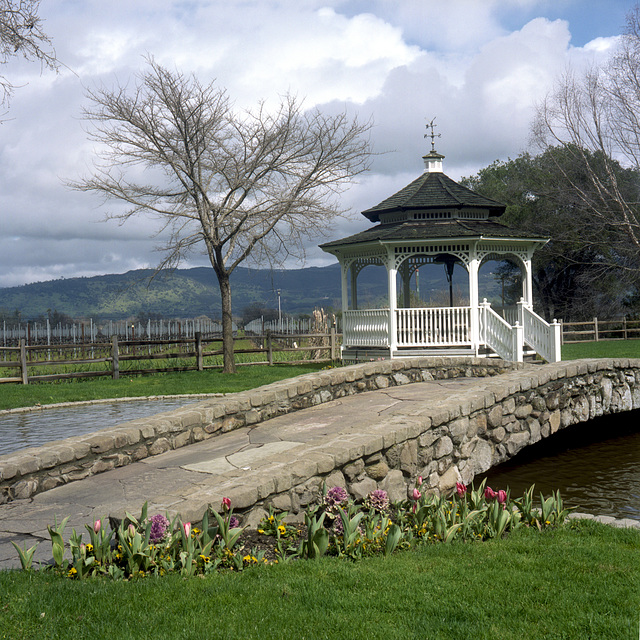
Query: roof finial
{"type": "Point", "coordinates": [432, 135]}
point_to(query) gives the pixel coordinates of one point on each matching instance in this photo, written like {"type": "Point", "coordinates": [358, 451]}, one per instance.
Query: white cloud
{"type": "Point", "coordinates": [401, 62]}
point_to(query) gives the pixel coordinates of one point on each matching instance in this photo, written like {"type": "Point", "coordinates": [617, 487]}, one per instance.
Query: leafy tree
{"type": "Point", "coordinates": [252, 184]}
{"type": "Point", "coordinates": [595, 118]}
{"type": "Point", "coordinates": [581, 271]}
{"type": "Point", "coordinates": [21, 35]}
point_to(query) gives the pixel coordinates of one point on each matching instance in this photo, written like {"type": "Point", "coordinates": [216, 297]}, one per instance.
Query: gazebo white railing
{"type": "Point", "coordinates": [434, 326]}
{"type": "Point", "coordinates": [428, 327]}
{"type": "Point", "coordinates": [542, 337]}
{"type": "Point", "coordinates": [499, 335]}
{"type": "Point", "coordinates": [366, 328]}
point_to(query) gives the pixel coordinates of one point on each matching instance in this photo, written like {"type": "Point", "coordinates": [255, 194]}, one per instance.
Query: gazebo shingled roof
{"type": "Point", "coordinates": [434, 191]}
{"type": "Point", "coordinates": [444, 229]}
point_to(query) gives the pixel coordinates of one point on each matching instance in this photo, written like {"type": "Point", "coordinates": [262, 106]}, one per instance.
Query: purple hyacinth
{"type": "Point", "coordinates": [233, 522]}
{"type": "Point", "coordinates": [159, 526]}
{"type": "Point", "coordinates": [378, 500]}
{"type": "Point", "coordinates": [335, 496]}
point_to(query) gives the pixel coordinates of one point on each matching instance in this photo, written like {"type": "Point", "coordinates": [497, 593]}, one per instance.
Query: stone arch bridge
{"type": "Point", "coordinates": [444, 419]}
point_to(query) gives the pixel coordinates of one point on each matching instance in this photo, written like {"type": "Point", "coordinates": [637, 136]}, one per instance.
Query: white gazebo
{"type": "Point", "coordinates": [436, 220]}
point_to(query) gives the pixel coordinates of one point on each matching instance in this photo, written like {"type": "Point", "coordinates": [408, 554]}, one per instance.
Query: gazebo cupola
{"type": "Point", "coordinates": [436, 220]}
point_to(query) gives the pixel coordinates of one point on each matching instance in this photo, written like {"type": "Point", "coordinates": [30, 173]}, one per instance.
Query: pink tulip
{"type": "Point", "coordinates": [419, 481]}
{"type": "Point", "coordinates": [226, 503]}
{"type": "Point", "coordinates": [461, 489]}
{"type": "Point", "coordinates": [416, 494]}
{"type": "Point", "coordinates": [96, 526]}
{"type": "Point", "coordinates": [131, 531]}
{"type": "Point", "coordinates": [187, 529]}
{"type": "Point", "coordinates": [489, 493]}
{"type": "Point", "coordinates": [502, 496]}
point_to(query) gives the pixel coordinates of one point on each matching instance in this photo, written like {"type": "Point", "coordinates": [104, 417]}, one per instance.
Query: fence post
{"type": "Point", "coordinates": [332, 342]}
{"type": "Point", "coordinates": [624, 327]}
{"type": "Point", "coordinates": [199, 358]}
{"type": "Point", "coordinates": [269, 348]}
{"type": "Point", "coordinates": [595, 328]}
{"type": "Point", "coordinates": [23, 361]}
{"type": "Point", "coordinates": [115, 357]}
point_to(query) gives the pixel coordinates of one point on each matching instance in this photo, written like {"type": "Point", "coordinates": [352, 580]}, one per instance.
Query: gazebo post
{"type": "Point", "coordinates": [344, 268]}
{"type": "Point", "coordinates": [528, 282]}
{"type": "Point", "coordinates": [474, 301]}
{"type": "Point", "coordinates": [391, 275]}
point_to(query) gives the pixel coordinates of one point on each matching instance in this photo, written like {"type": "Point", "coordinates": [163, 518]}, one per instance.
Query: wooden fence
{"type": "Point", "coordinates": [28, 363]}
{"type": "Point", "coordinates": [596, 330]}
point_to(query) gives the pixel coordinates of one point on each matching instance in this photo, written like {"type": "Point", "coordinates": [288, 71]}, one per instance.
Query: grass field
{"type": "Point", "coordinates": [209, 381]}
{"type": "Point", "coordinates": [213, 381]}
{"type": "Point", "coordinates": [580, 581]}
{"type": "Point", "coordinates": [603, 349]}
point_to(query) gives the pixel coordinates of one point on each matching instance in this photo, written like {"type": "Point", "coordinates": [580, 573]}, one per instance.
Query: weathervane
{"type": "Point", "coordinates": [432, 135]}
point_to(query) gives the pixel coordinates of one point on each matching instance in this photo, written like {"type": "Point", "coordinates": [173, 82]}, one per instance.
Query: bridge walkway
{"type": "Point", "coordinates": [186, 480]}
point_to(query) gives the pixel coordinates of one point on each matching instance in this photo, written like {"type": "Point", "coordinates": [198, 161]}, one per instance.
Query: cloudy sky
{"type": "Point", "coordinates": [478, 66]}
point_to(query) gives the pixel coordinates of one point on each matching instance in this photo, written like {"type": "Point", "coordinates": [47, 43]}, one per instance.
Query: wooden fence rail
{"type": "Point", "coordinates": [596, 330]}
{"type": "Point", "coordinates": [25, 364]}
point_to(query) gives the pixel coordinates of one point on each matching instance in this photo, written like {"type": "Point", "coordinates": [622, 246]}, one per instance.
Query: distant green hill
{"type": "Point", "coordinates": [175, 294]}
{"type": "Point", "coordinates": [188, 293]}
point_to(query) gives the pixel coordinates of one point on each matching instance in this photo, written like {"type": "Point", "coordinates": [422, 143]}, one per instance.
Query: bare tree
{"type": "Point", "coordinates": [242, 184]}
{"type": "Point", "coordinates": [596, 118]}
{"type": "Point", "coordinates": [21, 35]}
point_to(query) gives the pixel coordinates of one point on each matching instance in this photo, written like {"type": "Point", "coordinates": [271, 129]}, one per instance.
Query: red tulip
{"type": "Point", "coordinates": [502, 496]}
{"type": "Point", "coordinates": [461, 489]}
{"type": "Point", "coordinates": [489, 493]}
{"type": "Point", "coordinates": [226, 503]}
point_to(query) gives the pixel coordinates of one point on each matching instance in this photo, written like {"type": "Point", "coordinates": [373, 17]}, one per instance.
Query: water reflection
{"type": "Point", "coordinates": [35, 428]}
{"type": "Point", "coordinates": [595, 465]}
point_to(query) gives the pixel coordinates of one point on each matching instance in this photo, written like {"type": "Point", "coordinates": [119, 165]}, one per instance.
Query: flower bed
{"type": "Point", "coordinates": [154, 546]}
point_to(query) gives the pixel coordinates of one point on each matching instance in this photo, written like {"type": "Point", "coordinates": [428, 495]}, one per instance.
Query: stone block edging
{"type": "Point", "coordinates": [30, 471]}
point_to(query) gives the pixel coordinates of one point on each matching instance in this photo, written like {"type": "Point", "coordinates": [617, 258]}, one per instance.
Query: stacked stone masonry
{"type": "Point", "coordinates": [513, 405]}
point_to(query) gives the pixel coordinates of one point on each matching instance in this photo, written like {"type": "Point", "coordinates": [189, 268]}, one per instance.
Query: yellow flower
{"type": "Point", "coordinates": [72, 572]}
{"type": "Point", "coordinates": [89, 547]}
{"type": "Point", "coordinates": [282, 529]}
{"type": "Point", "coordinates": [260, 530]}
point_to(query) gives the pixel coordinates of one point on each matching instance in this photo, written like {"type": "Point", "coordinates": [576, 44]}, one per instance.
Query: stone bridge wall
{"type": "Point", "coordinates": [30, 471]}
{"type": "Point", "coordinates": [445, 442]}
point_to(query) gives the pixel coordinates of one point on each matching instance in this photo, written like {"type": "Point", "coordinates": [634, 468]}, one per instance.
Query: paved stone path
{"type": "Point", "coordinates": [186, 480]}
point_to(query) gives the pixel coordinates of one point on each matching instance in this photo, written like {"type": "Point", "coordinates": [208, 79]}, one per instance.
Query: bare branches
{"type": "Point", "coordinates": [596, 118]}
{"type": "Point", "coordinates": [245, 184]}
{"type": "Point", "coordinates": [22, 35]}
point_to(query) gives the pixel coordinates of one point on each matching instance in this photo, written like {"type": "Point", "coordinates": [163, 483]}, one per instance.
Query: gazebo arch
{"type": "Point", "coordinates": [436, 220]}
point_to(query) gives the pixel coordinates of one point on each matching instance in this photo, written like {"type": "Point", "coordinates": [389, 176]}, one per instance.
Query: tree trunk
{"type": "Point", "coordinates": [229, 364]}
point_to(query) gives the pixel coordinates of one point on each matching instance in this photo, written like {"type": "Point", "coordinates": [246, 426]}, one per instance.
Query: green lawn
{"type": "Point", "coordinates": [603, 349]}
{"type": "Point", "coordinates": [213, 381]}
{"type": "Point", "coordinates": [208, 381]}
{"type": "Point", "coordinates": [581, 581]}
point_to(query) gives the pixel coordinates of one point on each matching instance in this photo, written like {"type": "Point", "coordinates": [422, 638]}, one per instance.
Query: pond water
{"type": "Point", "coordinates": [595, 465]}
{"type": "Point", "coordinates": [34, 428]}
